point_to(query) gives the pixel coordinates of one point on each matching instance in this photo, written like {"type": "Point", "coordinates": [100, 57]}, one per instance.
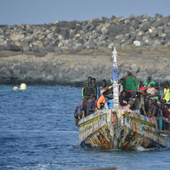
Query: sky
{"type": "Point", "coordinates": [14, 12]}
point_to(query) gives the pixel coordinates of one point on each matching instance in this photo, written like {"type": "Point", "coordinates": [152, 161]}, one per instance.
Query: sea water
{"type": "Point", "coordinates": [37, 132]}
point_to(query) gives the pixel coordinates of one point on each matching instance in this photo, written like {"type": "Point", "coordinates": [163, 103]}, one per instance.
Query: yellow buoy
{"type": "Point", "coordinates": [15, 88]}
{"type": "Point", "coordinates": [23, 86]}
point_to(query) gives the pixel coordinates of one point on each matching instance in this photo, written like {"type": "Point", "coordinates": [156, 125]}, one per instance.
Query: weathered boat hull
{"type": "Point", "coordinates": [107, 129]}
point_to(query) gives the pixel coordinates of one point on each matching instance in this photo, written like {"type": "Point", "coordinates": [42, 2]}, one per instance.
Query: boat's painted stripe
{"type": "Point", "coordinates": [143, 122]}
{"type": "Point", "coordinates": [91, 120]}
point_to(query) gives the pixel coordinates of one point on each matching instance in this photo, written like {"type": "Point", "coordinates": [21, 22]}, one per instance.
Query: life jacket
{"type": "Point", "coordinates": [133, 79]}
{"type": "Point", "coordinates": [88, 90]}
{"type": "Point", "coordinates": [166, 94]}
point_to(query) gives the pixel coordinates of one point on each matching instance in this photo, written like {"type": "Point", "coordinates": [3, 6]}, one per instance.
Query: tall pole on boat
{"type": "Point", "coordinates": [115, 80]}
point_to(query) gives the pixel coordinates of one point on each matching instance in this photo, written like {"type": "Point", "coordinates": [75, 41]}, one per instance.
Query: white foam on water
{"type": "Point", "coordinates": [142, 149]}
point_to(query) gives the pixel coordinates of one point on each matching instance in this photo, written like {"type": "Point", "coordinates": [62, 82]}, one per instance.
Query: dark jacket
{"type": "Point", "coordinates": [88, 90]}
{"type": "Point", "coordinates": [121, 99]}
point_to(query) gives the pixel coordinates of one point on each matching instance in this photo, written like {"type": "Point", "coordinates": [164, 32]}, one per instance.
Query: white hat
{"type": "Point", "coordinates": [129, 70]}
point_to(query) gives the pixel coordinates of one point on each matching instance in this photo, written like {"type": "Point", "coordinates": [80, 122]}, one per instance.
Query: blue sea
{"type": "Point", "coordinates": [37, 132]}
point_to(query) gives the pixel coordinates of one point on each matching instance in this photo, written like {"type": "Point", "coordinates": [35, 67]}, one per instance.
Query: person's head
{"type": "Point", "coordinates": [156, 86]}
{"type": "Point", "coordinates": [138, 93]}
{"type": "Point", "coordinates": [149, 78]}
{"type": "Point", "coordinates": [150, 101]}
{"type": "Point", "coordinates": [105, 93]}
{"type": "Point", "coordinates": [89, 79]}
{"type": "Point", "coordinates": [162, 106]}
{"type": "Point", "coordinates": [94, 98]}
{"type": "Point", "coordinates": [93, 80]}
{"type": "Point", "coordinates": [164, 101]}
{"type": "Point", "coordinates": [146, 100]}
{"type": "Point", "coordinates": [166, 84]}
{"type": "Point", "coordinates": [123, 93]}
{"type": "Point", "coordinates": [141, 85]}
{"type": "Point", "coordinates": [121, 81]}
{"type": "Point", "coordinates": [155, 101]}
{"type": "Point", "coordinates": [129, 73]}
{"type": "Point", "coordinates": [104, 83]}
{"type": "Point", "coordinates": [151, 86]}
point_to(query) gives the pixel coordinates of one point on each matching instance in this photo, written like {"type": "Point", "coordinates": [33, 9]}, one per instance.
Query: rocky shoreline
{"type": "Point", "coordinates": [67, 69]}
{"type": "Point", "coordinates": [66, 53]}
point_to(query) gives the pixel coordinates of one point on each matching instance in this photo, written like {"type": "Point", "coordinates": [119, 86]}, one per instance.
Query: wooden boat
{"type": "Point", "coordinates": [114, 128]}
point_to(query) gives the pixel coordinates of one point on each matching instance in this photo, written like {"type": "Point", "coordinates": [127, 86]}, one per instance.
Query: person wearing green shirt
{"type": "Point", "coordinates": [130, 84]}
{"type": "Point", "coordinates": [148, 82]}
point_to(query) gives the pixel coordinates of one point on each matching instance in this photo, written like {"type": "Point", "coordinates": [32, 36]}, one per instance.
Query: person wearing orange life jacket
{"type": "Point", "coordinates": [130, 84]}
{"type": "Point", "coordinates": [102, 100]}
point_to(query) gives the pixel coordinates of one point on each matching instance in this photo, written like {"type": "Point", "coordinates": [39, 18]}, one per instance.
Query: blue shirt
{"type": "Point", "coordinates": [91, 105]}
{"type": "Point", "coordinates": [80, 108]}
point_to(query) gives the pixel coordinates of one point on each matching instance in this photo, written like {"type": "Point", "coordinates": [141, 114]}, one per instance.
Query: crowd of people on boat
{"type": "Point", "coordinates": [151, 99]}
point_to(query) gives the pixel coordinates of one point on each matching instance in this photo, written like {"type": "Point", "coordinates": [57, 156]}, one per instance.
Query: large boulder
{"type": "Point", "coordinates": [38, 44]}
{"type": "Point", "coordinates": [72, 24]}
{"type": "Point", "coordinates": [165, 20]}
{"type": "Point", "coordinates": [153, 32]}
{"type": "Point", "coordinates": [16, 37]}
{"type": "Point", "coordinates": [86, 28]}
{"type": "Point", "coordinates": [158, 16]}
{"type": "Point", "coordinates": [90, 44]}
{"type": "Point", "coordinates": [23, 43]}
{"type": "Point", "coordinates": [26, 49]}
{"type": "Point", "coordinates": [158, 23]}
{"type": "Point", "coordinates": [94, 22]}
{"type": "Point", "coordinates": [135, 24]}
{"type": "Point", "coordinates": [167, 29]}
{"type": "Point", "coordinates": [147, 40]}
{"type": "Point", "coordinates": [49, 49]}
{"type": "Point", "coordinates": [78, 46]}
{"type": "Point", "coordinates": [15, 48]}
{"type": "Point", "coordinates": [2, 41]}
{"type": "Point", "coordinates": [145, 26]}
{"type": "Point", "coordinates": [167, 37]}
{"type": "Point", "coordinates": [137, 43]}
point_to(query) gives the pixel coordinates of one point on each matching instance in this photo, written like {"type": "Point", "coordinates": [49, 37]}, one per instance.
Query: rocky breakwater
{"type": "Point", "coordinates": [75, 36]}
{"type": "Point", "coordinates": [67, 52]}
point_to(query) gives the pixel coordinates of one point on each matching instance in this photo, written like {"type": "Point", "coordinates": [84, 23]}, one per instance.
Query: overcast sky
{"type": "Point", "coordinates": [14, 12]}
